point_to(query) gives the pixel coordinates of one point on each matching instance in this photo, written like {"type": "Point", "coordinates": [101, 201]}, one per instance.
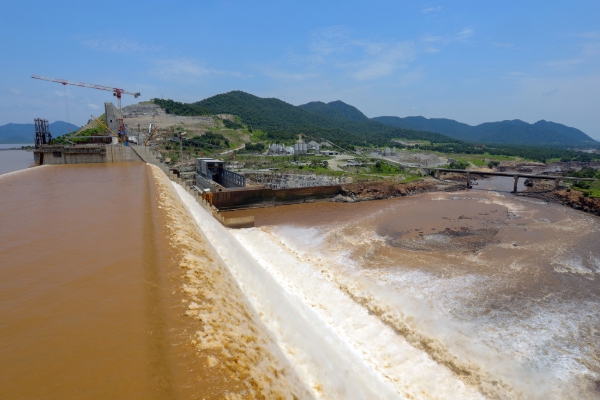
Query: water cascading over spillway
{"type": "Point", "coordinates": [337, 347]}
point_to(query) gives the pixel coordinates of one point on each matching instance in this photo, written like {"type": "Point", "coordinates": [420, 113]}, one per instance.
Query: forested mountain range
{"type": "Point", "coordinates": [344, 123]}
{"type": "Point", "coordinates": [25, 133]}
{"type": "Point", "coordinates": [502, 132]}
{"type": "Point", "coordinates": [283, 121]}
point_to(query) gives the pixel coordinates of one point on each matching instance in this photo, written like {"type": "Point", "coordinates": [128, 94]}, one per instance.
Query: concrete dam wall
{"type": "Point", "coordinates": [51, 155]}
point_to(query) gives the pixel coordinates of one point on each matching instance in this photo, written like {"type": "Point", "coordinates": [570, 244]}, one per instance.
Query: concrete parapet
{"type": "Point", "coordinates": [84, 154]}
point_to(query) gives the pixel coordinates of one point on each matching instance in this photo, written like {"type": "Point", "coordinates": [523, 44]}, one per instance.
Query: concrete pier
{"type": "Point", "coordinates": [557, 179]}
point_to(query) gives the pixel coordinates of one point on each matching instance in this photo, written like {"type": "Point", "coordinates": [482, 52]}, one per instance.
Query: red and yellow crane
{"type": "Point", "coordinates": [116, 91]}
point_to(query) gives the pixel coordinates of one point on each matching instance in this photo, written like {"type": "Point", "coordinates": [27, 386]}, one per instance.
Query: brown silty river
{"type": "Point", "coordinates": [501, 289]}
{"type": "Point", "coordinates": [91, 299]}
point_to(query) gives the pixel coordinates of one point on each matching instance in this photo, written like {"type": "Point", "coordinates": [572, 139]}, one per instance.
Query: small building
{"type": "Point", "coordinates": [210, 171]}
{"type": "Point", "coordinates": [312, 145]}
{"type": "Point", "coordinates": [330, 152]}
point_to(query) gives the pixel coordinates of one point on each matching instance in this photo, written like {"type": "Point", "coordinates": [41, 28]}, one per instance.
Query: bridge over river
{"type": "Point", "coordinates": [516, 176]}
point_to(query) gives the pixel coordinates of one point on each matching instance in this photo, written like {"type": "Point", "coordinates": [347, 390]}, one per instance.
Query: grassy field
{"type": "Point", "coordinates": [592, 191]}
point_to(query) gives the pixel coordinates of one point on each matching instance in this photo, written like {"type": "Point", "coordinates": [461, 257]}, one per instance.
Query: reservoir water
{"type": "Point", "coordinates": [14, 160]}
{"type": "Point", "coordinates": [91, 299]}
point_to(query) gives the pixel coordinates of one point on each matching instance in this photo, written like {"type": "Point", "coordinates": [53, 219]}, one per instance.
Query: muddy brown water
{"type": "Point", "coordinates": [89, 306]}
{"type": "Point", "coordinates": [522, 273]}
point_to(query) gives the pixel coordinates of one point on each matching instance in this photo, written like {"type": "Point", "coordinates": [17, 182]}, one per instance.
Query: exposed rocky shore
{"type": "Point", "coordinates": [365, 191]}
{"type": "Point", "coordinates": [567, 196]}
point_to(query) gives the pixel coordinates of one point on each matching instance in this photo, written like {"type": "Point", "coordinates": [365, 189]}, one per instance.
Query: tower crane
{"type": "Point", "coordinates": [116, 91]}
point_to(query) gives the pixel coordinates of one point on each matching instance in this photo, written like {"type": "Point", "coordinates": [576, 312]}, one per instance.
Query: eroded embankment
{"type": "Point", "coordinates": [365, 191]}
{"type": "Point", "coordinates": [243, 360]}
{"type": "Point", "coordinates": [566, 196]}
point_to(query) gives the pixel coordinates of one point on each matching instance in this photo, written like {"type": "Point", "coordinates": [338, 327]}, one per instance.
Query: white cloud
{"type": "Point", "coordinates": [461, 36]}
{"type": "Point", "coordinates": [187, 68]}
{"type": "Point", "coordinates": [92, 106]}
{"type": "Point", "coordinates": [120, 46]}
{"type": "Point", "coordinates": [64, 93]}
{"type": "Point", "coordinates": [431, 9]}
{"type": "Point", "coordinates": [464, 34]}
{"type": "Point", "coordinates": [362, 59]}
{"type": "Point", "coordinates": [589, 35]}
{"type": "Point", "coordinates": [431, 38]}
{"type": "Point", "coordinates": [563, 63]}
{"type": "Point", "coordinates": [382, 59]}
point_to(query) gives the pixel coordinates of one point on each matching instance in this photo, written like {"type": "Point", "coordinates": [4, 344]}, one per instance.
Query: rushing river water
{"type": "Point", "coordinates": [488, 290]}
{"type": "Point", "coordinates": [116, 283]}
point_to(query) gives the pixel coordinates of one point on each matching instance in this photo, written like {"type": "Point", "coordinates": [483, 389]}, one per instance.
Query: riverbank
{"type": "Point", "coordinates": [569, 197]}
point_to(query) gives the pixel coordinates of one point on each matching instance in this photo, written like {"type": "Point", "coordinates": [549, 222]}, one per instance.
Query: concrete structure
{"type": "Point", "coordinates": [277, 149]}
{"type": "Point", "coordinates": [83, 154]}
{"type": "Point", "coordinates": [312, 145]}
{"type": "Point", "coordinates": [300, 148]}
{"type": "Point", "coordinates": [516, 177]}
{"type": "Point", "coordinates": [211, 173]}
{"type": "Point", "coordinates": [112, 117]}
{"type": "Point", "coordinates": [262, 197]}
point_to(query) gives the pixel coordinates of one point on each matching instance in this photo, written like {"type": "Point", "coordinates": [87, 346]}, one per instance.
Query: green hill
{"type": "Point", "coordinates": [283, 121]}
{"type": "Point", "coordinates": [335, 110]}
{"type": "Point", "coordinates": [502, 132]}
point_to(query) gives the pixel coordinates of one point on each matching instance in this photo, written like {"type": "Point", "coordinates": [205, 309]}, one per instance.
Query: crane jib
{"type": "Point", "coordinates": [116, 91]}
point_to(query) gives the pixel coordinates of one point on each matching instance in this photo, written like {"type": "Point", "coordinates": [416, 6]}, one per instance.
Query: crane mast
{"type": "Point", "coordinates": [116, 91]}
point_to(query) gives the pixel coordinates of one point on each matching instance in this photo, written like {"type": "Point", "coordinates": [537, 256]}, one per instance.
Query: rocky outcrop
{"type": "Point", "coordinates": [364, 191]}
{"type": "Point", "coordinates": [568, 197]}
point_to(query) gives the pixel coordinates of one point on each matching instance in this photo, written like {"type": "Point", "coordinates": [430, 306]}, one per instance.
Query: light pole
{"type": "Point", "coordinates": [181, 150]}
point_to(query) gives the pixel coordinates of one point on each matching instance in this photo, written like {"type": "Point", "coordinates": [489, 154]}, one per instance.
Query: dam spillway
{"type": "Point", "coordinates": [386, 299]}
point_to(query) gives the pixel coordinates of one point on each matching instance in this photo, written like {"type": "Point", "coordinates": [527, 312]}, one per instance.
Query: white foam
{"type": "Point", "coordinates": [412, 372]}
{"type": "Point", "coordinates": [320, 357]}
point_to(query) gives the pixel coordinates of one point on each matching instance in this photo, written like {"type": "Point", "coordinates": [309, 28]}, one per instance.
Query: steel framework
{"type": "Point", "coordinates": [42, 132]}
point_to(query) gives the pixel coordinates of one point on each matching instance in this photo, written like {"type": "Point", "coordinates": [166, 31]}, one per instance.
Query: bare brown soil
{"type": "Point", "coordinates": [364, 191]}
{"type": "Point", "coordinates": [572, 197]}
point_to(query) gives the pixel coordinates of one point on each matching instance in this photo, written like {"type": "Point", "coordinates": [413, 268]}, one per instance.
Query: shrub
{"type": "Point", "coordinates": [232, 124]}
{"type": "Point", "coordinates": [255, 147]}
{"type": "Point", "coordinates": [458, 165]}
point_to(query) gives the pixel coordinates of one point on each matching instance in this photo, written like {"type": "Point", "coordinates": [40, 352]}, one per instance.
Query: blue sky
{"type": "Point", "coordinates": [473, 61]}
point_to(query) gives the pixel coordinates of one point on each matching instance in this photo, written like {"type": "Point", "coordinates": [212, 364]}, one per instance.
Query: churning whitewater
{"type": "Point", "coordinates": [336, 346]}
{"type": "Point", "coordinates": [456, 308]}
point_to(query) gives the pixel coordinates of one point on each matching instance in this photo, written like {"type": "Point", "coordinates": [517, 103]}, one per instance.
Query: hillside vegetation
{"type": "Point", "coordinates": [283, 122]}
{"type": "Point", "coordinates": [502, 132]}
{"type": "Point", "coordinates": [275, 120]}
{"type": "Point", "coordinates": [336, 110]}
